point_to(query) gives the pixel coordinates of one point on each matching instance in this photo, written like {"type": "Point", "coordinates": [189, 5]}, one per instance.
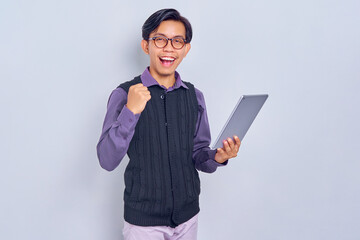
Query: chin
{"type": "Point", "coordinates": [163, 71]}
{"type": "Point", "coordinates": [167, 72]}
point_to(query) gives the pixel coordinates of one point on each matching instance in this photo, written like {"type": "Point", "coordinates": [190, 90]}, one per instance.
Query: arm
{"type": "Point", "coordinates": [118, 130]}
{"type": "Point", "coordinates": [203, 156]}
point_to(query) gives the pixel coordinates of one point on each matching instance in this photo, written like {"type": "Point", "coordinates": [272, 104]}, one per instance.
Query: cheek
{"type": "Point", "coordinates": [182, 54]}
{"type": "Point", "coordinates": [153, 57]}
{"type": "Point", "coordinates": [180, 58]}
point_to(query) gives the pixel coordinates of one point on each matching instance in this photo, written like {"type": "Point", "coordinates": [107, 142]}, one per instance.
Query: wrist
{"type": "Point", "coordinates": [217, 157]}
{"type": "Point", "coordinates": [131, 109]}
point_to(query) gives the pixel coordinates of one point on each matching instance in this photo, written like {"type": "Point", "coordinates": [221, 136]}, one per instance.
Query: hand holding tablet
{"type": "Point", "coordinates": [229, 150]}
{"type": "Point", "coordinates": [237, 126]}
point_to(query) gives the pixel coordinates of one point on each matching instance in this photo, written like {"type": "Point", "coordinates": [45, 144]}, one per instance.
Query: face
{"type": "Point", "coordinates": [164, 61]}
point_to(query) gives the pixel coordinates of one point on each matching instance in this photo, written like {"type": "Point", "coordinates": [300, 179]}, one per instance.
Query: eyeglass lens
{"type": "Point", "coordinates": [177, 43]}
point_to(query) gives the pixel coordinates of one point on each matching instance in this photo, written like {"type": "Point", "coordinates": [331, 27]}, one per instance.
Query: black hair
{"type": "Point", "coordinates": [162, 15]}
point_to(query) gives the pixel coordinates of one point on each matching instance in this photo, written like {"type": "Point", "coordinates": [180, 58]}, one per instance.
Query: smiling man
{"type": "Point", "coordinates": [161, 122]}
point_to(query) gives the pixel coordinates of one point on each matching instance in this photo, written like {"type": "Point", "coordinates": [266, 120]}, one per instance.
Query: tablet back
{"type": "Point", "coordinates": [241, 118]}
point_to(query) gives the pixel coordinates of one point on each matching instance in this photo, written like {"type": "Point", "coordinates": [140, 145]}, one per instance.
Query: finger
{"type": "Point", "coordinates": [220, 150]}
{"type": "Point", "coordinates": [220, 155]}
{"type": "Point", "coordinates": [136, 86]}
{"type": "Point", "coordinates": [147, 97]}
{"type": "Point", "coordinates": [231, 143]}
{"type": "Point", "coordinates": [237, 143]}
{"type": "Point", "coordinates": [226, 146]}
{"type": "Point", "coordinates": [144, 92]}
{"type": "Point", "coordinates": [141, 89]}
{"type": "Point", "coordinates": [233, 150]}
{"type": "Point", "coordinates": [237, 140]}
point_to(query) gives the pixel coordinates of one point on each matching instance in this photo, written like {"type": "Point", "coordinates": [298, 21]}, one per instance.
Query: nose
{"type": "Point", "coordinates": [168, 46]}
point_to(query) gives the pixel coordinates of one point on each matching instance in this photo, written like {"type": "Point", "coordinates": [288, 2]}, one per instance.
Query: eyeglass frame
{"type": "Point", "coordinates": [167, 42]}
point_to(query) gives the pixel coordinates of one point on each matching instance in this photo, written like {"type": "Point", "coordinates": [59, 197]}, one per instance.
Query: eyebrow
{"type": "Point", "coordinates": [166, 36]}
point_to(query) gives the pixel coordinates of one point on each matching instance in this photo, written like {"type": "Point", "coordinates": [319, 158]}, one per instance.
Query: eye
{"type": "Point", "coordinates": [160, 40]}
{"type": "Point", "coordinates": [178, 40]}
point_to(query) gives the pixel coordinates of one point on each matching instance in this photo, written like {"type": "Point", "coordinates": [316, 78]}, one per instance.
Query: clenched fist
{"type": "Point", "coordinates": [138, 96]}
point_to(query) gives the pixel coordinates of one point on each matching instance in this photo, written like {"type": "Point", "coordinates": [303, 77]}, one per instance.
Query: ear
{"type": "Point", "coordinates": [187, 48]}
{"type": "Point", "coordinates": [145, 46]}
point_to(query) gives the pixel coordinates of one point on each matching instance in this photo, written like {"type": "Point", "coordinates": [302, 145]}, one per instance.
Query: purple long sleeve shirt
{"type": "Point", "coordinates": [119, 127]}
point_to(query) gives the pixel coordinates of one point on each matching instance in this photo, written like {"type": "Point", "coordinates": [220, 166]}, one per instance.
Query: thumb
{"type": "Point", "coordinates": [220, 150]}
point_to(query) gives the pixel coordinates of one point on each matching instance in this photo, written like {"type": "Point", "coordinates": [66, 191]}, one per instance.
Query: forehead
{"type": "Point", "coordinates": [170, 28]}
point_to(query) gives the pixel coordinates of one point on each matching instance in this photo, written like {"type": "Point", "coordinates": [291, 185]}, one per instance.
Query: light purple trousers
{"type": "Point", "coordinates": [185, 231]}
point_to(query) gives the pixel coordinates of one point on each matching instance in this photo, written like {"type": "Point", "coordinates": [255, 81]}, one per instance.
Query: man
{"type": "Point", "coordinates": [161, 122]}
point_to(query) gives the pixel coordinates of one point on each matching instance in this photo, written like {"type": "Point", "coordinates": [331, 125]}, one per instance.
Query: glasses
{"type": "Point", "coordinates": [176, 42]}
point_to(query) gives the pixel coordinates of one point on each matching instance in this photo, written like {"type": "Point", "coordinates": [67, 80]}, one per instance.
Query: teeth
{"type": "Point", "coordinates": [167, 58]}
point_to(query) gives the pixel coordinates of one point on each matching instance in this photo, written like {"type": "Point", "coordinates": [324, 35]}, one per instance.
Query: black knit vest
{"type": "Point", "coordinates": [162, 186]}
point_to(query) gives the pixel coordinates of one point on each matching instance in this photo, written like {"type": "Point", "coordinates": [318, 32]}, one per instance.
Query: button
{"type": "Point", "coordinates": [162, 96]}
{"type": "Point", "coordinates": [166, 124]}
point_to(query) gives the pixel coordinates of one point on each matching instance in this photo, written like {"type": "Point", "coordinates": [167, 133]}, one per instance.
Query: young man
{"type": "Point", "coordinates": [161, 122]}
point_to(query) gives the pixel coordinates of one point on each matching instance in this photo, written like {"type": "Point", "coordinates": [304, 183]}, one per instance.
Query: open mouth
{"type": "Point", "coordinates": [167, 61]}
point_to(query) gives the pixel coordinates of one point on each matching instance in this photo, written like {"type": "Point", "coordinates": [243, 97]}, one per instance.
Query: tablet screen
{"type": "Point", "coordinates": [241, 118]}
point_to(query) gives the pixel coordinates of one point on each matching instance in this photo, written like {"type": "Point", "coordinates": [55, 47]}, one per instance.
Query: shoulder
{"type": "Point", "coordinates": [126, 85]}
{"type": "Point", "coordinates": [117, 97]}
{"type": "Point", "coordinates": [118, 93]}
{"type": "Point", "coordinates": [200, 97]}
{"type": "Point", "coordinates": [189, 85]}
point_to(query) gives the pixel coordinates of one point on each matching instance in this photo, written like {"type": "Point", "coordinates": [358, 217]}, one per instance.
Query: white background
{"type": "Point", "coordinates": [297, 172]}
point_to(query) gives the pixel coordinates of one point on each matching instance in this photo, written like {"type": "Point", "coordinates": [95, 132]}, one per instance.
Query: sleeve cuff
{"type": "Point", "coordinates": [127, 118]}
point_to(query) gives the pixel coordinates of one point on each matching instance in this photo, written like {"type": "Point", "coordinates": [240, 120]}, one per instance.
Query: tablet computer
{"type": "Point", "coordinates": [241, 118]}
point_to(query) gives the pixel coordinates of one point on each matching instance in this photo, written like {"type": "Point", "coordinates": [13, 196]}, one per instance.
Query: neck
{"type": "Point", "coordinates": [168, 82]}
{"type": "Point", "coordinates": [164, 80]}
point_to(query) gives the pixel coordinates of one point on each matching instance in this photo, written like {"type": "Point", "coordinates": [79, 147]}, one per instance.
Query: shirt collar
{"type": "Point", "coordinates": [148, 81]}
